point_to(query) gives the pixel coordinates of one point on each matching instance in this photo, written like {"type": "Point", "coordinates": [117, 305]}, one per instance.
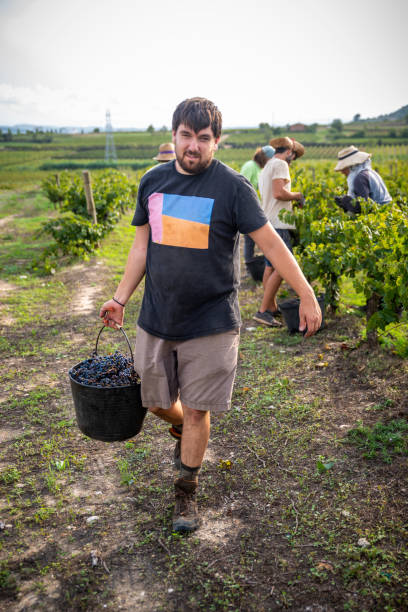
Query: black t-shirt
{"type": "Point", "coordinates": [192, 265]}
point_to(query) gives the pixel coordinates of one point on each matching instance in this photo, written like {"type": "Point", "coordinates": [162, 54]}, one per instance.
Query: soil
{"type": "Point", "coordinates": [276, 533]}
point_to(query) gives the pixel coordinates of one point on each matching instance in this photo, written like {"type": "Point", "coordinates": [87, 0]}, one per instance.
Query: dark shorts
{"type": "Point", "coordinates": [287, 237]}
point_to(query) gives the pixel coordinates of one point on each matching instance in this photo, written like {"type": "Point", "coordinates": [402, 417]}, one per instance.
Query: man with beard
{"type": "Point", "coordinates": [274, 186]}
{"type": "Point", "coordinates": [189, 215]}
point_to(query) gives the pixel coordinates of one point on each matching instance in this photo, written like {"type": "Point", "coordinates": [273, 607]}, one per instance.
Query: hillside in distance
{"type": "Point", "coordinates": [398, 115]}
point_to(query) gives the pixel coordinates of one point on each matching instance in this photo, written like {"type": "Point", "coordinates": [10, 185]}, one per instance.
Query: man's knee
{"type": "Point", "coordinates": [194, 416]}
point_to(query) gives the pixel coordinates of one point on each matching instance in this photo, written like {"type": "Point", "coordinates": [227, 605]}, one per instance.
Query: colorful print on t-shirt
{"type": "Point", "coordinates": [182, 221]}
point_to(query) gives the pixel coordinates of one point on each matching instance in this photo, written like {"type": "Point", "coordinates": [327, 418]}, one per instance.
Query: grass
{"type": "Point", "coordinates": [28, 210]}
{"type": "Point", "coordinates": [381, 440]}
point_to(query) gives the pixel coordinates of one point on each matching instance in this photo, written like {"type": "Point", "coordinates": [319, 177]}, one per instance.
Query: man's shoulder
{"type": "Point", "coordinates": [219, 166]}
{"type": "Point", "coordinates": [278, 168]}
{"type": "Point", "coordinates": [365, 174]}
{"type": "Point", "coordinates": [362, 178]}
{"type": "Point", "coordinates": [276, 162]}
{"type": "Point", "coordinates": [157, 171]}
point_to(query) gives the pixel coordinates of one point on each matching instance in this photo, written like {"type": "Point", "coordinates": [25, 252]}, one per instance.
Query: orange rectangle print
{"type": "Point", "coordinates": [182, 233]}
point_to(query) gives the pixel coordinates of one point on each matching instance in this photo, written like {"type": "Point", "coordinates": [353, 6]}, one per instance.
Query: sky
{"type": "Point", "coordinates": [64, 63]}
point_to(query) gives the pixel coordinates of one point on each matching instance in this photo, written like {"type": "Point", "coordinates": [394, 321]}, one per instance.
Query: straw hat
{"type": "Point", "coordinates": [166, 152]}
{"type": "Point", "coordinates": [350, 156]}
{"type": "Point", "coordinates": [288, 143]}
{"type": "Point", "coordinates": [298, 148]}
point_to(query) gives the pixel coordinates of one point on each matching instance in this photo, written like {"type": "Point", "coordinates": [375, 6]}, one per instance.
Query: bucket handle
{"type": "Point", "coordinates": [126, 338]}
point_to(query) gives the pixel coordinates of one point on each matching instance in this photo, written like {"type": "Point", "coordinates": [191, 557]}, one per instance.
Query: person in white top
{"type": "Point", "coordinates": [276, 195]}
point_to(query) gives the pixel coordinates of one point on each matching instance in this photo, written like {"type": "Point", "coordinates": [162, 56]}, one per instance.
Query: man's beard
{"type": "Point", "coordinates": [196, 168]}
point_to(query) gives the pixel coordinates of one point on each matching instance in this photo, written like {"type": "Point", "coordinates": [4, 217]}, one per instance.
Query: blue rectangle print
{"type": "Point", "coordinates": [189, 208]}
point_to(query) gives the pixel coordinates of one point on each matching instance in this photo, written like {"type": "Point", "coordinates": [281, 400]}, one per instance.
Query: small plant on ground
{"type": "Point", "coordinates": [382, 440]}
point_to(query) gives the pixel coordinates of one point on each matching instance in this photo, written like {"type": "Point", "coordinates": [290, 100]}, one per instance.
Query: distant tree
{"type": "Point", "coordinates": [8, 136]}
{"type": "Point", "coordinates": [312, 128]}
{"type": "Point", "coordinates": [406, 118]}
{"type": "Point", "coordinates": [266, 130]}
{"type": "Point", "coordinates": [337, 125]}
{"type": "Point", "coordinates": [150, 129]}
{"type": "Point", "coordinates": [96, 130]}
{"type": "Point", "coordinates": [404, 133]}
{"type": "Point", "coordinates": [392, 134]}
{"type": "Point", "coordinates": [357, 117]}
{"type": "Point", "coordinates": [163, 128]}
{"type": "Point", "coordinates": [277, 131]}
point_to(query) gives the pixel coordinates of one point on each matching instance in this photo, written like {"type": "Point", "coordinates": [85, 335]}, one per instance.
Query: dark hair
{"type": "Point", "coordinates": [260, 157]}
{"type": "Point", "coordinates": [282, 149]}
{"type": "Point", "coordinates": [197, 114]}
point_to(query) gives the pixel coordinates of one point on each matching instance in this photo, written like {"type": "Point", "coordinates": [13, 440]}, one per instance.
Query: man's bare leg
{"type": "Point", "coordinates": [267, 272]}
{"type": "Point", "coordinates": [271, 289]}
{"type": "Point", "coordinates": [173, 415]}
{"type": "Point", "coordinates": [196, 432]}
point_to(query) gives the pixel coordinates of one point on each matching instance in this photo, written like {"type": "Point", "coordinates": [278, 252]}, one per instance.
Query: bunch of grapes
{"type": "Point", "coordinates": [114, 370]}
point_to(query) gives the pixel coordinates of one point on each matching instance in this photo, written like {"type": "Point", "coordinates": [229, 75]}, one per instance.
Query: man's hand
{"type": "Point", "coordinates": [310, 315]}
{"type": "Point", "coordinates": [340, 201]}
{"type": "Point", "coordinates": [347, 204]}
{"type": "Point", "coordinates": [112, 314]}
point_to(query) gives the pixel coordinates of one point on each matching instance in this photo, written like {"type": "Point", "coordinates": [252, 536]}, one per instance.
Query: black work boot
{"type": "Point", "coordinates": [185, 516]}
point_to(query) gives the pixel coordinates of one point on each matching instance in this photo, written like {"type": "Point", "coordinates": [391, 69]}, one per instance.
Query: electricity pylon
{"type": "Point", "coordinates": [110, 151]}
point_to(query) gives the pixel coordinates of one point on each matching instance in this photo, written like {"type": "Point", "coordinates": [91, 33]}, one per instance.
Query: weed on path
{"type": "Point", "coordinates": [303, 492]}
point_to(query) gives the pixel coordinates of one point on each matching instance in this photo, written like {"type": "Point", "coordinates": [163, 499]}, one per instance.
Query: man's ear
{"type": "Point", "coordinates": [217, 140]}
{"type": "Point", "coordinates": [173, 138]}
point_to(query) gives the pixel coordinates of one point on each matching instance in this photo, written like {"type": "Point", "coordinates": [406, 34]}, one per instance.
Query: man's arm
{"type": "Point", "coordinates": [280, 192]}
{"type": "Point", "coordinates": [111, 312]}
{"type": "Point", "coordinates": [285, 264]}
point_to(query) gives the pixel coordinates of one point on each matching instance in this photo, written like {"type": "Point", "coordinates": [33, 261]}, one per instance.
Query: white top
{"type": "Point", "coordinates": [274, 169]}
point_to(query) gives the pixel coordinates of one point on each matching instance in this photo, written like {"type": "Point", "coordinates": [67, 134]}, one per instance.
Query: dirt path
{"type": "Point", "coordinates": [87, 525]}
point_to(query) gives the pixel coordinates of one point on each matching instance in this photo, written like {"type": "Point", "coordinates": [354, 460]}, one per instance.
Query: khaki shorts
{"type": "Point", "coordinates": [200, 371]}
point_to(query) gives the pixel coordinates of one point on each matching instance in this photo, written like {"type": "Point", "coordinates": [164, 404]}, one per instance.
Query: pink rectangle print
{"type": "Point", "coordinates": [155, 216]}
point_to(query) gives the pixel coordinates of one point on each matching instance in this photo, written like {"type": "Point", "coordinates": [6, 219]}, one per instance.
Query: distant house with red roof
{"type": "Point", "coordinates": [297, 127]}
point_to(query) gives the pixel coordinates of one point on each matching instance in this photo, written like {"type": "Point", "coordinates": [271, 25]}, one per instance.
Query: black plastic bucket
{"type": "Point", "coordinates": [108, 414]}
{"type": "Point", "coordinates": [290, 312]}
{"type": "Point", "coordinates": [256, 267]}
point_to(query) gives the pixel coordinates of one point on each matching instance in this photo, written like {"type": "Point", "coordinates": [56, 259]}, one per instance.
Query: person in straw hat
{"type": "Point", "coordinates": [166, 152]}
{"type": "Point", "coordinates": [276, 195]}
{"type": "Point", "coordinates": [362, 180]}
